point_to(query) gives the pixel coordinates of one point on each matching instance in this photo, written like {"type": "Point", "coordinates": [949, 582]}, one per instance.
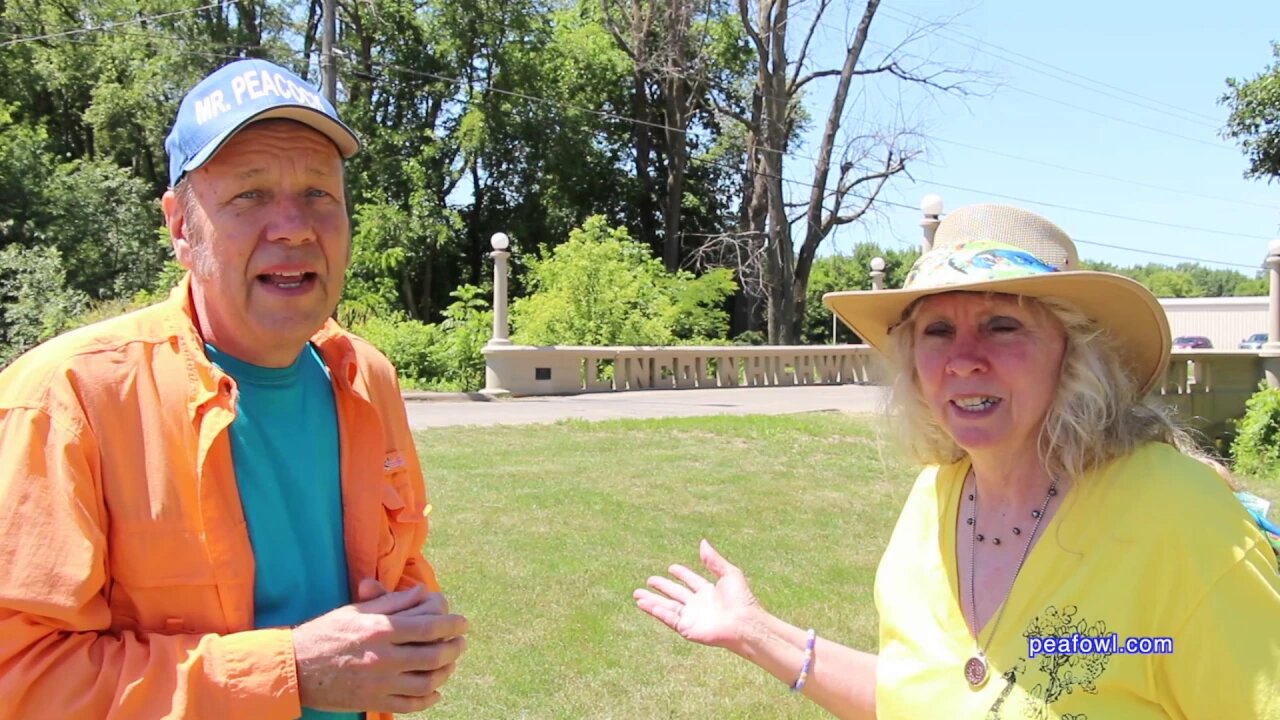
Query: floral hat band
{"type": "Point", "coordinates": [974, 261]}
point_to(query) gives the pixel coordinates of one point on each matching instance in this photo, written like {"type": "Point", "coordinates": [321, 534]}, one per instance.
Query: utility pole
{"type": "Point", "coordinates": [328, 67]}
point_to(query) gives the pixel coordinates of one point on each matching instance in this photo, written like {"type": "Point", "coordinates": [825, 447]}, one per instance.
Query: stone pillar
{"type": "Point", "coordinates": [1270, 352]}
{"type": "Point", "coordinates": [877, 273]}
{"type": "Point", "coordinates": [498, 367]}
{"type": "Point", "coordinates": [500, 255]}
{"type": "Point", "coordinates": [931, 208]}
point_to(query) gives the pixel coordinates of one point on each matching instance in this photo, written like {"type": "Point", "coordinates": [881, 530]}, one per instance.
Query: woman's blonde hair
{"type": "Point", "coordinates": [1096, 415]}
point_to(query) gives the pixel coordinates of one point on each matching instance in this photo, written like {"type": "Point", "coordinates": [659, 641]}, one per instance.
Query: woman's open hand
{"type": "Point", "coordinates": [712, 614]}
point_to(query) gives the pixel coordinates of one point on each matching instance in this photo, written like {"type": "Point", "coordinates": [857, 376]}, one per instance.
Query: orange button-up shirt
{"type": "Point", "coordinates": [126, 572]}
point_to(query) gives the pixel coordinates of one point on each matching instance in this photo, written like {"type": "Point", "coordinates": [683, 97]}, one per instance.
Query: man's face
{"type": "Point", "coordinates": [267, 239]}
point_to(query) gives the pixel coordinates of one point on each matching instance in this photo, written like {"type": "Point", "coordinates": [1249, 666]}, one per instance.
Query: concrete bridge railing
{"type": "Point", "coordinates": [1207, 387]}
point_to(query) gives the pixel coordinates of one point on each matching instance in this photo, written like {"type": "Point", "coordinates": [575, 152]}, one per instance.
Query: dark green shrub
{"type": "Point", "coordinates": [466, 328]}
{"type": "Point", "coordinates": [35, 302]}
{"type": "Point", "coordinates": [1257, 443]}
{"type": "Point", "coordinates": [434, 357]}
{"type": "Point", "coordinates": [408, 344]}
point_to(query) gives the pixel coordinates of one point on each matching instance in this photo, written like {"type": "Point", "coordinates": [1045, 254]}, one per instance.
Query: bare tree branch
{"type": "Point", "coordinates": [731, 113]}
{"type": "Point", "coordinates": [770, 218]}
{"type": "Point", "coordinates": [813, 76]}
{"type": "Point", "coordinates": [612, 27]}
{"type": "Point", "coordinates": [741, 252]}
{"type": "Point", "coordinates": [804, 47]}
{"type": "Point", "coordinates": [895, 162]}
{"type": "Point", "coordinates": [750, 29]}
{"type": "Point", "coordinates": [931, 80]}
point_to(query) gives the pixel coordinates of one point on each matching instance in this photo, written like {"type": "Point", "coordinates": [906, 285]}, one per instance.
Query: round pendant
{"type": "Point", "coordinates": [975, 671]}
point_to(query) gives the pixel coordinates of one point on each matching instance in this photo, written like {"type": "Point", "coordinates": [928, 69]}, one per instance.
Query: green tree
{"type": "Point", "coordinates": [83, 116]}
{"type": "Point", "coordinates": [1254, 121]}
{"type": "Point", "coordinates": [25, 165]}
{"type": "Point", "coordinates": [99, 216]}
{"type": "Point", "coordinates": [1186, 279]}
{"type": "Point", "coordinates": [836, 273]}
{"type": "Point", "coordinates": [603, 288]}
{"type": "Point", "coordinates": [466, 328]}
{"type": "Point", "coordinates": [104, 221]}
{"type": "Point", "coordinates": [1173, 284]}
{"type": "Point", "coordinates": [1252, 287]}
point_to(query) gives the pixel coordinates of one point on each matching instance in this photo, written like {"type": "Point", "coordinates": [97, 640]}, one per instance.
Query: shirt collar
{"type": "Point", "coordinates": [208, 383]}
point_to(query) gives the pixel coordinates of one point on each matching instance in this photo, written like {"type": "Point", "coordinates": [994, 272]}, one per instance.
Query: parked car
{"type": "Point", "coordinates": [1254, 341]}
{"type": "Point", "coordinates": [1191, 342]}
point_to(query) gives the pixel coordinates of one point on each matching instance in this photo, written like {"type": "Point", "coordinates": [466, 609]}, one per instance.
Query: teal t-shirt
{"type": "Point", "coordinates": [284, 445]}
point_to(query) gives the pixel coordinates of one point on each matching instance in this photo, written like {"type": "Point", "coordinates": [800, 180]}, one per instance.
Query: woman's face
{"type": "Point", "coordinates": [988, 367]}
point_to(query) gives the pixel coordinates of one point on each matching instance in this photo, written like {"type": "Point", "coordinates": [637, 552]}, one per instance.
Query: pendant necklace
{"type": "Point", "coordinates": [975, 669]}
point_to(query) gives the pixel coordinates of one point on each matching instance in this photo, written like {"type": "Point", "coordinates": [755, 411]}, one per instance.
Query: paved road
{"type": "Point", "coordinates": [646, 404]}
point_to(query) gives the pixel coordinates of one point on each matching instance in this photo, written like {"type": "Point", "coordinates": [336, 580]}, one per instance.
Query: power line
{"type": "Point", "coordinates": [1168, 255]}
{"type": "Point", "coordinates": [810, 186]}
{"type": "Point", "coordinates": [1100, 213]}
{"type": "Point", "coordinates": [892, 52]}
{"type": "Point", "coordinates": [947, 30]}
{"type": "Point", "coordinates": [106, 25]}
{"type": "Point", "coordinates": [1113, 118]}
{"type": "Point", "coordinates": [797, 183]}
{"type": "Point", "coordinates": [1078, 241]}
{"type": "Point", "coordinates": [1104, 176]}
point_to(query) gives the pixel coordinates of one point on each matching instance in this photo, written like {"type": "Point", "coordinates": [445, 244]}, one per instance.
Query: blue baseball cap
{"type": "Point", "coordinates": [240, 93]}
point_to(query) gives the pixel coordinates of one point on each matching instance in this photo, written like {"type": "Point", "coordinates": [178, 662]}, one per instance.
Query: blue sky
{"type": "Point", "coordinates": [1167, 63]}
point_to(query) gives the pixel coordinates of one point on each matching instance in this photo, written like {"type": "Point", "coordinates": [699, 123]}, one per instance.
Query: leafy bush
{"type": "Point", "coordinates": [35, 302]}
{"type": "Point", "coordinates": [446, 356]}
{"type": "Point", "coordinates": [603, 288]}
{"type": "Point", "coordinates": [1257, 443]}
{"type": "Point", "coordinates": [466, 328]}
{"type": "Point", "coordinates": [408, 344]}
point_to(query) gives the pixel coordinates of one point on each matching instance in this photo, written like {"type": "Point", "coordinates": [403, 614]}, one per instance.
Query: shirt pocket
{"type": "Point", "coordinates": [161, 579]}
{"type": "Point", "coordinates": [404, 522]}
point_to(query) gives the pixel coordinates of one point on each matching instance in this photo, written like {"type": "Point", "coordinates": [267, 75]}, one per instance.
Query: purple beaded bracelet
{"type": "Point", "coordinates": [810, 639]}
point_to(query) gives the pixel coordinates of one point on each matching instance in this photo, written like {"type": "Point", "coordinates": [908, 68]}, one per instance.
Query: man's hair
{"type": "Point", "coordinates": [1097, 413]}
{"type": "Point", "coordinates": [185, 194]}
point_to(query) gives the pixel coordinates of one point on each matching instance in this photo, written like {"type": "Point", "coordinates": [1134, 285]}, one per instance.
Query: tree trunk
{"type": "Point", "coordinates": [406, 287]}
{"type": "Point", "coordinates": [817, 227]}
{"type": "Point", "coordinates": [476, 247]}
{"type": "Point", "coordinates": [643, 143]}
{"type": "Point", "coordinates": [679, 83]}
{"type": "Point", "coordinates": [677, 159]}
{"type": "Point", "coordinates": [426, 306]}
{"type": "Point", "coordinates": [775, 120]}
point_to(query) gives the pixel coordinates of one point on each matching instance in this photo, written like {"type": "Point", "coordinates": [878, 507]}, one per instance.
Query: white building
{"type": "Point", "coordinates": [1224, 320]}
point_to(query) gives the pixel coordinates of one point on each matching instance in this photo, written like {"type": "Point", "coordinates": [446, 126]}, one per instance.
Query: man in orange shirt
{"type": "Point", "coordinates": [212, 507]}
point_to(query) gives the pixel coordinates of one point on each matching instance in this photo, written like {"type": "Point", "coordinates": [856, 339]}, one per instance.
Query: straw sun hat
{"type": "Point", "coordinates": [1003, 249]}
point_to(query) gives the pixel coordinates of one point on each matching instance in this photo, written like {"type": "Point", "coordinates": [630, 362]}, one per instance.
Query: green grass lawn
{"type": "Point", "coordinates": [541, 533]}
{"type": "Point", "coordinates": [1269, 489]}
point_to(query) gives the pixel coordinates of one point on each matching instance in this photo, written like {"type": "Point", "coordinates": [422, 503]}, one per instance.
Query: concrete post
{"type": "Point", "coordinates": [877, 273]}
{"type": "Point", "coordinates": [500, 323]}
{"type": "Point", "coordinates": [500, 254]}
{"type": "Point", "coordinates": [931, 208]}
{"type": "Point", "coordinates": [1270, 352]}
{"type": "Point", "coordinates": [497, 364]}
